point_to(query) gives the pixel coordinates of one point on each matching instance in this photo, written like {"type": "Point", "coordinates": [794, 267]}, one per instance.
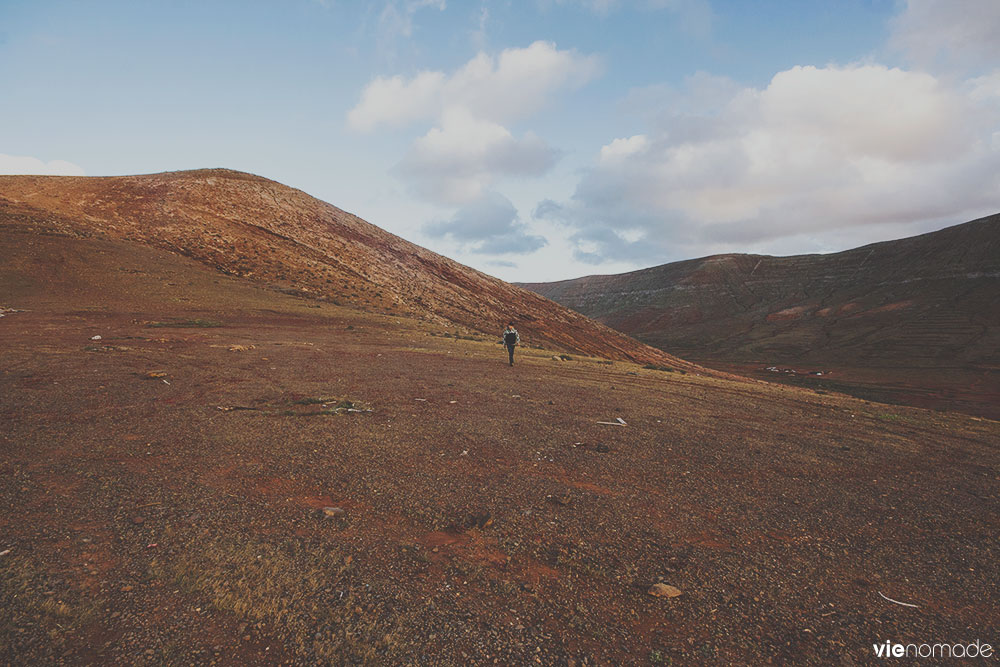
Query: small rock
{"type": "Point", "coordinates": [603, 449]}
{"type": "Point", "coordinates": [335, 512]}
{"type": "Point", "coordinates": [558, 500]}
{"type": "Point", "coordinates": [138, 520]}
{"type": "Point", "coordinates": [664, 591]}
{"type": "Point", "coordinates": [95, 338]}
{"type": "Point", "coordinates": [156, 374]}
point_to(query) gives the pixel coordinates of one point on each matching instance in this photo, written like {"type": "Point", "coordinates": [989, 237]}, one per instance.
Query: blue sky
{"type": "Point", "coordinates": [535, 140]}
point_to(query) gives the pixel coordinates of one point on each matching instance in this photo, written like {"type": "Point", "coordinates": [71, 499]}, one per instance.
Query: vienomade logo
{"type": "Point", "coordinates": [891, 649]}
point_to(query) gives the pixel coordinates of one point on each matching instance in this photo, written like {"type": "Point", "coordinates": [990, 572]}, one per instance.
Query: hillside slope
{"type": "Point", "coordinates": [926, 302]}
{"type": "Point", "coordinates": [249, 226]}
{"type": "Point", "coordinates": [934, 297]}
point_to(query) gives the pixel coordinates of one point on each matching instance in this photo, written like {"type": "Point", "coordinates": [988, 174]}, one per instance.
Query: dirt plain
{"type": "Point", "coordinates": [165, 487]}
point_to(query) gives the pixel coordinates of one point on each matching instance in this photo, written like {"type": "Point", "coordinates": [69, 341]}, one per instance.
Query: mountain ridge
{"type": "Point", "coordinates": [930, 301]}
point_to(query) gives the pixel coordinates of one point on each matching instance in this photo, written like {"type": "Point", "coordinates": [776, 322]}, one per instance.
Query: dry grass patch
{"type": "Point", "coordinates": [34, 602]}
{"type": "Point", "coordinates": [310, 596]}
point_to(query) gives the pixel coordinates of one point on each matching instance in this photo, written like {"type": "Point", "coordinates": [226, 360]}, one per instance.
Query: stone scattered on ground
{"type": "Point", "coordinates": [664, 591]}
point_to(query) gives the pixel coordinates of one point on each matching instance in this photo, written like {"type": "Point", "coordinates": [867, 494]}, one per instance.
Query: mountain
{"type": "Point", "coordinates": [245, 225]}
{"type": "Point", "coordinates": [922, 306]}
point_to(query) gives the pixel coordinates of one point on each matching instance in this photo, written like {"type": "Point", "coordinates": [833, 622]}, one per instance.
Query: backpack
{"type": "Point", "coordinates": [509, 337]}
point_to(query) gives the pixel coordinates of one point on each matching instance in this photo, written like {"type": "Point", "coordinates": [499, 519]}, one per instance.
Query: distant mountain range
{"type": "Point", "coordinates": [277, 236]}
{"type": "Point", "coordinates": [927, 302]}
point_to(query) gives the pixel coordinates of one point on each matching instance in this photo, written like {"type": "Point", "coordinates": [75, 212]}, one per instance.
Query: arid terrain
{"type": "Point", "coordinates": [203, 466]}
{"type": "Point", "coordinates": [914, 321]}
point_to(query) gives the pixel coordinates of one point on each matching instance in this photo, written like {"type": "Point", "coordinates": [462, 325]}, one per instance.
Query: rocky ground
{"type": "Point", "coordinates": [200, 471]}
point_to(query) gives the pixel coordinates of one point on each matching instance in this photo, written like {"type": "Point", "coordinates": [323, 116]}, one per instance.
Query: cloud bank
{"type": "Point", "coordinates": [515, 84]}
{"type": "Point", "coordinates": [819, 148]}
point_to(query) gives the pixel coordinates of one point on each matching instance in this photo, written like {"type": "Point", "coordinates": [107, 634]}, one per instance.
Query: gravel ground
{"type": "Point", "coordinates": [166, 487]}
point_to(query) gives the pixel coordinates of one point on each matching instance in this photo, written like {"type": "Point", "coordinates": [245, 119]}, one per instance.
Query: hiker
{"type": "Point", "coordinates": [511, 340]}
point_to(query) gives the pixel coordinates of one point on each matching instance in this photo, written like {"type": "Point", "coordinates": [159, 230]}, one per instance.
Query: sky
{"type": "Point", "coordinates": [536, 140]}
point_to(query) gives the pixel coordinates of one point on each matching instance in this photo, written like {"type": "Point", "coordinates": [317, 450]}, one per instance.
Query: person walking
{"type": "Point", "coordinates": [511, 340]}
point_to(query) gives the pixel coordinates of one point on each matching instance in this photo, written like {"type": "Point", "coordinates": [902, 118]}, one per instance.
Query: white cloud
{"type": "Point", "coordinates": [960, 32]}
{"type": "Point", "coordinates": [395, 101]}
{"type": "Point", "coordinates": [620, 149]}
{"type": "Point", "coordinates": [870, 111]}
{"type": "Point", "coordinates": [512, 85]}
{"type": "Point", "coordinates": [456, 162]}
{"type": "Point", "coordinates": [816, 151]}
{"type": "Point", "coordinates": [17, 164]}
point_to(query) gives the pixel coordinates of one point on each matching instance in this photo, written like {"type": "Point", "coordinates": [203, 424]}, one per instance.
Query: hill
{"type": "Point", "coordinates": [252, 227]}
{"type": "Point", "coordinates": [915, 320]}
{"type": "Point", "coordinates": [171, 437]}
